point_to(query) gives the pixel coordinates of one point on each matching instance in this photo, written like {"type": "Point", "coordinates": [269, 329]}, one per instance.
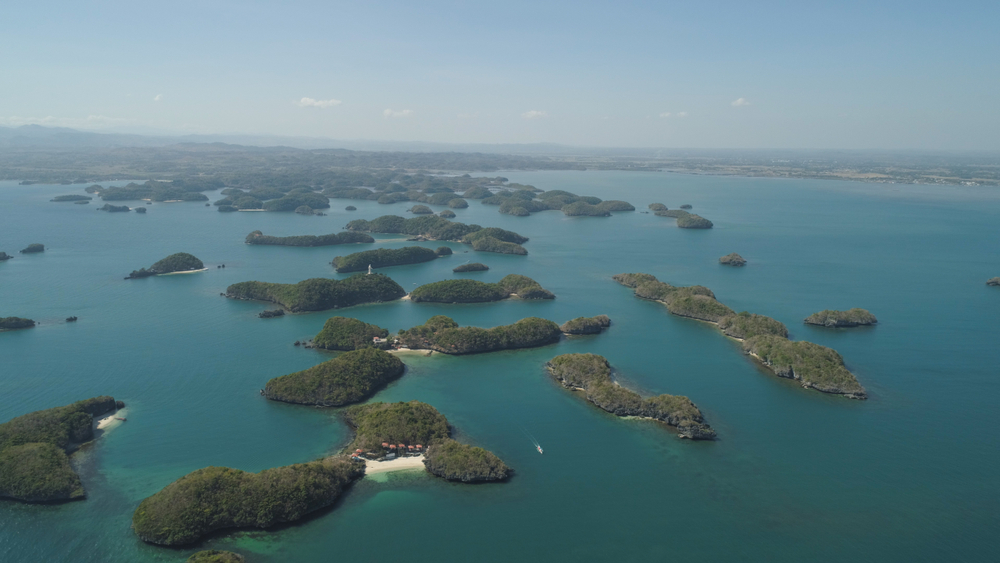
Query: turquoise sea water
{"type": "Point", "coordinates": [909, 475]}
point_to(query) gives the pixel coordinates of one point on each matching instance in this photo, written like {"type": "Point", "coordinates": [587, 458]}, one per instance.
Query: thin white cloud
{"type": "Point", "coordinates": [534, 114]}
{"type": "Point", "coordinates": [739, 102]}
{"type": "Point", "coordinates": [665, 114]}
{"type": "Point", "coordinates": [468, 115]}
{"type": "Point", "coordinates": [158, 98]}
{"type": "Point", "coordinates": [89, 122]}
{"type": "Point", "coordinates": [322, 104]}
{"type": "Point", "coordinates": [682, 114]}
{"type": "Point", "coordinates": [389, 112]}
{"type": "Point", "coordinates": [678, 115]}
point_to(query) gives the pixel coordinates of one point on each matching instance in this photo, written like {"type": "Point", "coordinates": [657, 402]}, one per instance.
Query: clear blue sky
{"type": "Point", "coordinates": [794, 74]}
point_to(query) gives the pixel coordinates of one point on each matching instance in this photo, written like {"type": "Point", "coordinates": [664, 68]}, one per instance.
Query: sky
{"type": "Point", "coordinates": [700, 74]}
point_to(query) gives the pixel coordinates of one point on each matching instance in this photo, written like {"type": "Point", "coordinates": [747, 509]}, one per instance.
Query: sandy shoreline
{"type": "Point", "coordinates": [411, 351]}
{"type": "Point", "coordinates": [110, 421]}
{"type": "Point", "coordinates": [398, 464]}
{"type": "Point", "coordinates": [184, 272]}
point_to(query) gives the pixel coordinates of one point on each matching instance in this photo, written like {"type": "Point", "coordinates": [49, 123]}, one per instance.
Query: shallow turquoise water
{"type": "Point", "coordinates": [909, 475]}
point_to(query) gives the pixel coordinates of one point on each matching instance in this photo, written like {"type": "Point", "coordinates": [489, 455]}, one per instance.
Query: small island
{"type": "Point", "coordinates": [765, 339]}
{"type": "Point", "coordinates": [389, 431]}
{"type": "Point", "coordinates": [592, 375]}
{"type": "Point", "coordinates": [217, 498]}
{"type": "Point", "coordinates": [432, 227]}
{"type": "Point", "coordinates": [33, 248]}
{"type": "Point", "coordinates": [349, 378]}
{"type": "Point", "coordinates": [472, 291]}
{"type": "Point", "coordinates": [476, 267]}
{"type": "Point", "coordinates": [346, 237]}
{"type": "Point", "coordinates": [350, 208]}
{"type": "Point", "coordinates": [139, 210]}
{"type": "Point", "coordinates": [181, 262]}
{"type": "Point", "coordinates": [343, 333]}
{"type": "Point", "coordinates": [838, 319]}
{"type": "Point", "coordinates": [215, 556]}
{"type": "Point", "coordinates": [114, 208]}
{"type": "Point", "coordinates": [5, 256]}
{"type": "Point", "coordinates": [15, 323]}
{"type": "Point", "coordinates": [320, 294]}
{"type": "Point", "coordinates": [732, 260]}
{"type": "Point", "coordinates": [992, 281]}
{"type": "Point", "coordinates": [586, 325]}
{"type": "Point", "coordinates": [271, 314]}
{"type": "Point", "coordinates": [685, 220]}
{"type": "Point", "coordinates": [63, 198]}
{"type": "Point", "coordinates": [383, 258]}
{"type": "Point", "coordinates": [443, 251]}
{"type": "Point", "coordinates": [421, 210]}
{"type": "Point", "coordinates": [442, 334]}
{"type": "Point", "coordinates": [447, 214]}
{"type": "Point", "coordinates": [34, 448]}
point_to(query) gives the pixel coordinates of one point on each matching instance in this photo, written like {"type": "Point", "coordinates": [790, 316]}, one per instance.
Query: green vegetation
{"type": "Point", "coordinates": [419, 423]}
{"type": "Point", "coordinates": [215, 556]}
{"type": "Point", "coordinates": [433, 227]}
{"type": "Point", "coordinates": [343, 333]}
{"type": "Point", "coordinates": [216, 498]}
{"type": "Point", "coordinates": [139, 210]}
{"type": "Point", "coordinates": [458, 203]}
{"type": "Point", "coordinates": [5, 256]}
{"type": "Point", "coordinates": [521, 203]}
{"type": "Point", "coordinates": [61, 198]}
{"type": "Point", "coordinates": [350, 208]}
{"type": "Point", "coordinates": [493, 244]}
{"type": "Point", "coordinates": [34, 465]}
{"type": "Point", "coordinates": [586, 325]}
{"type": "Point", "coordinates": [248, 202]}
{"type": "Point", "coordinates": [180, 262]}
{"type": "Point", "coordinates": [686, 206]}
{"type": "Point", "coordinates": [447, 214]}
{"type": "Point", "coordinates": [732, 260]}
{"type": "Point", "coordinates": [696, 302]}
{"type": "Point", "coordinates": [114, 208]}
{"type": "Point", "coordinates": [657, 207]}
{"type": "Point", "coordinates": [33, 248]}
{"type": "Point", "coordinates": [346, 237]}
{"type": "Point", "coordinates": [747, 325]}
{"type": "Point", "coordinates": [443, 251]}
{"type": "Point", "coordinates": [383, 258]}
{"type": "Point", "coordinates": [227, 208]}
{"type": "Point", "coordinates": [591, 374]}
{"type": "Point", "coordinates": [616, 205]}
{"type": "Point", "coordinates": [685, 220]}
{"type": "Point", "coordinates": [582, 208]}
{"type": "Point", "coordinates": [851, 317]}
{"type": "Point", "coordinates": [442, 334]}
{"type": "Point", "coordinates": [306, 210]}
{"type": "Point", "coordinates": [319, 294]}
{"type": "Point", "coordinates": [472, 291]}
{"type": "Point", "coordinates": [179, 190]}
{"type": "Point", "coordinates": [816, 367]}
{"type": "Point", "coordinates": [15, 323]}
{"type": "Point", "coordinates": [293, 201]}
{"type": "Point", "coordinates": [455, 461]}
{"type": "Point", "coordinates": [473, 267]}
{"type": "Point", "coordinates": [349, 378]}
{"type": "Point", "coordinates": [421, 210]}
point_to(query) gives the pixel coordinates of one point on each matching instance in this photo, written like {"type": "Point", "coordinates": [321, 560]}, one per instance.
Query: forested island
{"type": "Point", "coordinates": [15, 323]}
{"type": "Point", "coordinates": [383, 258]}
{"type": "Point", "coordinates": [33, 248]}
{"type": "Point", "coordinates": [319, 294]}
{"type": "Point", "coordinates": [685, 220]}
{"type": "Point", "coordinates": [732, 259]}
{"type": "Point", "coordinates": [63, 198]}
{"type": "Point", "coordinates": [527, 200]}
{"type": "Point", "coordinates": [812, 365]}
{"type": "Point", "coordinates": [346, 237]}
{"type": "Point", "coordinates": [343, 333]}
{"type": "Point", "coordinates": [379, 425]}
{"type": "Point", "coordinates": [432, 227]}
{"type": "Point", "coordinates": [182, 189]}
{"type": "Point", "coordinates": [442, 334]}
{"type": "Point", "coordinates": [586, 325]}
{"type": "Point", "coordinates": [34, 448]}
{"type": "Point", "coordinates": [114, 208]}
{"type": "Point", "coordinates": [476, 267]}
{"type": "Point", "coordinates": [179, 262]}
{"type": "Point", "coordinates": [349, 378]}
{"type": "Point", "coordinates": [472, 291]}
{"type": "Point", "coordinates": [592, 375]}
{"type": "Point", "coordinates": [5, 256]}
{"type": "Point", "coordinates": [837, 319]}
{"type": "Point", "coordinates": [216, 498]}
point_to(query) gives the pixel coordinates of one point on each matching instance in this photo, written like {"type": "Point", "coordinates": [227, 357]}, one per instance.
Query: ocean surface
{"type": "Point", "coordinates": [909, 475]}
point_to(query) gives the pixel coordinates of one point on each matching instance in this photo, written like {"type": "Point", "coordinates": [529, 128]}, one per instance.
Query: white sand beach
{"type": "Point", "coordinates": [111, 421]}
{"type": "Point", "coordinates": [185, 272]}
{"type": "Point", "coordinates": [398, 464]}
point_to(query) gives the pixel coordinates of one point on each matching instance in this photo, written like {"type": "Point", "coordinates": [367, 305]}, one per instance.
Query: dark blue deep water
{"type": "Point", "coordinates": [909, 475]}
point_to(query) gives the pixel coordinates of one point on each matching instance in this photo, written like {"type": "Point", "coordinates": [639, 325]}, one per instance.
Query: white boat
{"type": "Point", "coordinates": [540, 449]}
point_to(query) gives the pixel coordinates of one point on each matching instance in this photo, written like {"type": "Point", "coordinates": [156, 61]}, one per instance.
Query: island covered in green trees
{"type": "Point", "coordinates": [343, 333]}
{"type": "Point", "coordinates": [5, 256]}
{"type": "Point", "coordinates": [346, 237]}
{"type": "Point", "coordinates": [349, 378]}
{"type": "Point", "coordinates": [34, 448]}
{"type": "Point", "coordinates": [836, 319]}
{"type": "Point", "coordinates": [33, 248]}
{"type": "Point", "coordinates": [586, 325]}
{"type": "Point", "coordinates": [217, 498]}
{"type": "Point", "coordinates": [379, 425]}
{"type": "Point", "coordinates": [442, 334]}
{"type": "Point", "coordinates": [319, 294]}
{"type": "Point", "coordinates": [765, 339]}
{"type": "Point", "coordinates": [476, 267]}
{"type": "Point", "coordinates": [685, 220]}
{"type": "Point", "coordinates": [472, 291]}
{"type": "Point", "coordinates": [732, 259]}
{"type": "Point", "coordinates": [180, 262]}
{"type": "Point", "coordinates": [592, 375]}
{"type": "Point", "coordinates": [525, 201]}
{"type": "Point", "coordinates": [432, 227]}
{"type": "Point", "coordinates": [15, 323]}
{"type": "Point", "coordinates": [383, 258]}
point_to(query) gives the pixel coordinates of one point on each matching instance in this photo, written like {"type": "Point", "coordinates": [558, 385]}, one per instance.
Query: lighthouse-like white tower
{"type": "Point", "coordinates": [369, 269]}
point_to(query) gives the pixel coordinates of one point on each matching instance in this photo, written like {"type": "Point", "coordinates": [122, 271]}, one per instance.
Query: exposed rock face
{"type": "Point", "coordinates": [732, 260]}
{"type": "Point", "coordinates": [991, 281]}
{"type": "Point", "coordinates": [838, 319]}
{"type": "Point", "coordinates": [215, 556]}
